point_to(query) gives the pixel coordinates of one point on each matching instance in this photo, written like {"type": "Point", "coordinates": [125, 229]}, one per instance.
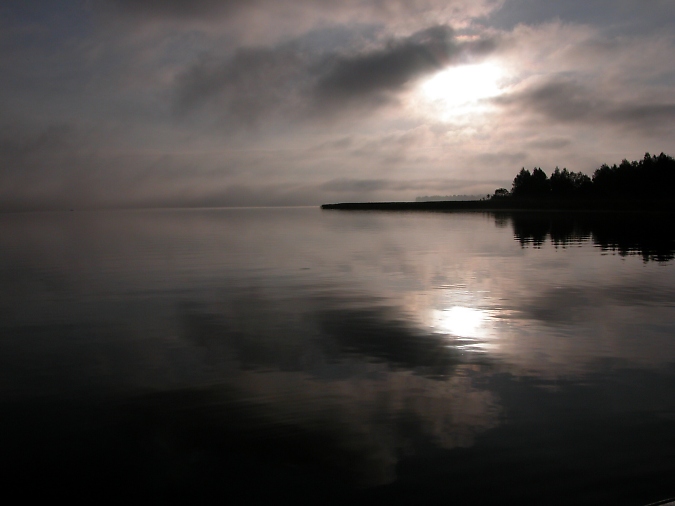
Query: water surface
{"type": "Point", "coordinates": [323, 355]}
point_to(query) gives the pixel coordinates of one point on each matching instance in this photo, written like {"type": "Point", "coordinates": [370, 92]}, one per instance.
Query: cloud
{"type": "Point", "coordinates": [363, 11]}
{"type": "Point", "coordinates": [289, 78]}
{"type": "Point", "coordinates": [374, 76]}
{"type": "Point", "coordinates": [183, 8]}
{"type": "Point", "coordinates": [252, 83]}
{"type": "Point", "coordinates": [68, 166]}
{"type": "Point", "coordinates": [20, 149]}
{"type": "Point", "coordinates": [346, 185]}
{"type": "Point", "coordinates": [274, 21]}
{"type": "Point", "coordinates": [502, 157]}
{"type": "Point", "coordinates": [387, 69]}
{"type": "Point", "coordinates": [566, 101]}
{"type": "Point", "coordinates": [615, 15]}
{"type": "Point", "coordinates": [38, 167]}
{"type": "Point", "coordinates": [644, 117]}
{"type": "Point", "coordinates": [233, 102]}
{"type": "Point", "coordinates": [550, 143]}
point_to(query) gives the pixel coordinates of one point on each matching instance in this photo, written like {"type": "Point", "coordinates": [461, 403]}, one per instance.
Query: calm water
{"type": "Point", "coordinates": [325, 355]}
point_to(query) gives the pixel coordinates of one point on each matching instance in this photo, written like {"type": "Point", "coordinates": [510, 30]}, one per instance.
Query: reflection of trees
{"type": "Point", "coordinates": [648, 234]}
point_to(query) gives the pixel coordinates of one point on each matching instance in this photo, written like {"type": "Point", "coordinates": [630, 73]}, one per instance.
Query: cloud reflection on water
{"type": "Point", "coordinates": [382, 335]}
{"type": "Point", "coordinates": [386, 386]}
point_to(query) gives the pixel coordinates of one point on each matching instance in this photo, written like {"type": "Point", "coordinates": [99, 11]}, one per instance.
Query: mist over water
{"type": "Point", "coordinates": [321, 355]}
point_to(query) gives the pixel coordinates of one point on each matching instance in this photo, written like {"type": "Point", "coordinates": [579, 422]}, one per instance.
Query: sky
{"type": "Point", "coordinates": [163, 103]}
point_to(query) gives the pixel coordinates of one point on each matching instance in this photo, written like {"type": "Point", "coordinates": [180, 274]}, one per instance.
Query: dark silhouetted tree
{"type": "Point", "coordinates": [533, 184]}
{"type": "Point", "coordinates": [521, 183]}
{"type": "Point", "coordinates": [540, 183]}
{"type": "Point", "coordinates": [652, 178]}
{"type": "Point", "coordinates": [565, 184]}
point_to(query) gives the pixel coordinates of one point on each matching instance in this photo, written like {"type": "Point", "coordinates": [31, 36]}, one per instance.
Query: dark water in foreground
{"type": "Point", "coordinates": [329, 356]}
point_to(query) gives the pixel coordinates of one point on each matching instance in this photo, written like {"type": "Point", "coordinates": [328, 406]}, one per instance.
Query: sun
{"type": "Point", "coordinates": [462, 90]}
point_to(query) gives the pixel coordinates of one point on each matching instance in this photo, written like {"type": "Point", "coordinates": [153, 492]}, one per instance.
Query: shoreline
{"type": "Point", "coordinates": [507, 205]}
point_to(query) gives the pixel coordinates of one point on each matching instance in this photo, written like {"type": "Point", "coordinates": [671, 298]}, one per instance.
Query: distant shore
{"type": "Point", "coordinates": [509, 204]}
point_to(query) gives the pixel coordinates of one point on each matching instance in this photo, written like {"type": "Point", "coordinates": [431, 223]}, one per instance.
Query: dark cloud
{"type": "Point", "coordinates": [359, 10]}
{"type": "Point", "coordinates": [183, 8]}
{"type": "Point", "coordinates": [261, 82]}
{"type": "Point", "coordinates": [550, 143]}
{"type": "Point", "coordinates": [375, 75]}
{"type": "Point", "coordinates": [387, 69]}
{"type": "Point", "coordinates": [566, 101]}
{"type": "Point", "coordinates": [559, 100]}
{"type": "Point", "coordinates": [619, 14]}
{"type": "Point", "coordinates": [252, 83]}
{"type": "Point", "coordinates": [644, 116]}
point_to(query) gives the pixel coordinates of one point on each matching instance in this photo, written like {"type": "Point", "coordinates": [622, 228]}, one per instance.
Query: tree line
{"type": "Point", "coordinates": [653, 177]}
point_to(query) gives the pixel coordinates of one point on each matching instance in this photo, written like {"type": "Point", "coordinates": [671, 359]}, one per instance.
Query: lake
{"type": "Point", "coordinates": [331, 356]}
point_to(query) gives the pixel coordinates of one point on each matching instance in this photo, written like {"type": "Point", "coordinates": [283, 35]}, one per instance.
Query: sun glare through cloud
{"type": "Point", "coordinates": [459, 91]}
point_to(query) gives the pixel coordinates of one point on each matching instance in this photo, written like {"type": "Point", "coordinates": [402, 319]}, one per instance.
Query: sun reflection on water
{"type": "Point", "coordinates": [470, 328]}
